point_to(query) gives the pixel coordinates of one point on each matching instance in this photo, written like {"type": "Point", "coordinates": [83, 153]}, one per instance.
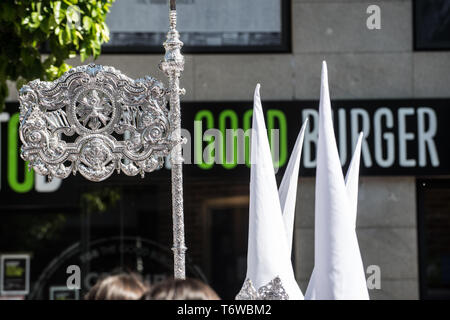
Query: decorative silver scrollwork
{"type": "Point", "coordinates": [95, 120]}
{"type": "Point", "coordinates": [274, 290]}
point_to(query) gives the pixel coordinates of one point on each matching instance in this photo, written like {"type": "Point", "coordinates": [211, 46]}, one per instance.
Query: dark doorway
{"type": "Point", "coordinates": [434, 236]}
{"type": "Point", "coordinates": [227, 235]}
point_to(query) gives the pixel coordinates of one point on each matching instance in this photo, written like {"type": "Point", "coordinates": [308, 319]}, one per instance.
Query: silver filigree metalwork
{"type": "Point", "coordinates": [274, 290]}
{"type": "Point", "coordinates": [94, 120]}
{"type": "Point", "coordinates": [173, 66]}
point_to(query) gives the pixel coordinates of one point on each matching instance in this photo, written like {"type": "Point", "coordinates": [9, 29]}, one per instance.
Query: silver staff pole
{"type": "Point", "coordinates": [173, 66]}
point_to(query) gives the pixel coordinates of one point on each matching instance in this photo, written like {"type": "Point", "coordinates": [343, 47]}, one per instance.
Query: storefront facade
{"type": "Point", "coordinates": [380, 83]}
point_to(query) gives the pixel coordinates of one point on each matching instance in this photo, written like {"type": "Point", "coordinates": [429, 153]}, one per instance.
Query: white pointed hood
{"type": "Point", "coordinates": [337, 261]}
{"type": "Point", "coordinates": [268, 256]}
{"type": "Point", "coordinates": [352, 178]}
{"type": "Point", "coordinates": [357, 287]}
{"type": "Point", "coordinates": [288, 187]}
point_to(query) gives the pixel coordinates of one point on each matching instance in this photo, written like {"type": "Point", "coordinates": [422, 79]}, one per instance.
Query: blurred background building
{"type": "Point", "coordinates": [392, 82]}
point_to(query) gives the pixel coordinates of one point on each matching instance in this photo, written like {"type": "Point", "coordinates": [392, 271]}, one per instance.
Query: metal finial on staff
{"type": "Point", "coordinates": [173, 66]}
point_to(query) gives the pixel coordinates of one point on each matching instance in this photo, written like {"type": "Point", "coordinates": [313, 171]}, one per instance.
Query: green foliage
{"type": "Point", "coordinates": [66, 28]}
{"type": "Point", "coordinates": [47, 229]}
{"type": "Point", "coordinates": [99, 201]}
{"type": "Point", "coordinates": [32, 231]}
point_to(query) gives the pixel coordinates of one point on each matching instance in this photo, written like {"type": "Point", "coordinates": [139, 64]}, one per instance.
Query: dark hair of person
{"type": "Point", "coordinates": [118, 287]}
{"type": "Point", "coordinates": [176, 289]}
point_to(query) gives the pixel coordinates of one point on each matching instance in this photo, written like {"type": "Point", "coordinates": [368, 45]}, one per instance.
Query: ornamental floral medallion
{"type": "Point", "coordinates": [93, 109]}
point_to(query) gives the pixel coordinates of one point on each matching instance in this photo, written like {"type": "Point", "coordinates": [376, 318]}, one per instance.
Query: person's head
{"type": "Point", "coordinates": [176, 289]}
{"type": "Point", "coordinates": [117, 287]}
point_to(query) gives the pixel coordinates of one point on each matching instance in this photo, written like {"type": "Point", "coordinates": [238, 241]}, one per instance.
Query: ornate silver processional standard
{"type": "Point", "coordinates": [95, 121]}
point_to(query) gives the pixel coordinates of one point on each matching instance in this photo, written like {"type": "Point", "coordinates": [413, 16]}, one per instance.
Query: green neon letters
{"type": "Point", "coordinates": [13, 160]}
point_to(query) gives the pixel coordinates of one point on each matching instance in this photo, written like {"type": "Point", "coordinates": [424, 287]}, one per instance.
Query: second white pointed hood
{"type": "Point", "coordinates": [338, 271]}
{"type": "Point", "coordinates": [288, 187]}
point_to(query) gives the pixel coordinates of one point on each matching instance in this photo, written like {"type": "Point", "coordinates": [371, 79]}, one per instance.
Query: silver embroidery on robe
{"type": "Point", "coordinates": [274, 290]}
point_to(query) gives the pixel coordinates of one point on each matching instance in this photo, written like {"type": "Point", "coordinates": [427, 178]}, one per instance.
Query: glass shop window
{"type": "Point", "coordinates": [213, 26]}
{"type": "Point", "coordinates": [106, 229]}
{"type": "Point", "coordinates": [431, 25]}
{"type": "Point", "coordinates": [434, 238]}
